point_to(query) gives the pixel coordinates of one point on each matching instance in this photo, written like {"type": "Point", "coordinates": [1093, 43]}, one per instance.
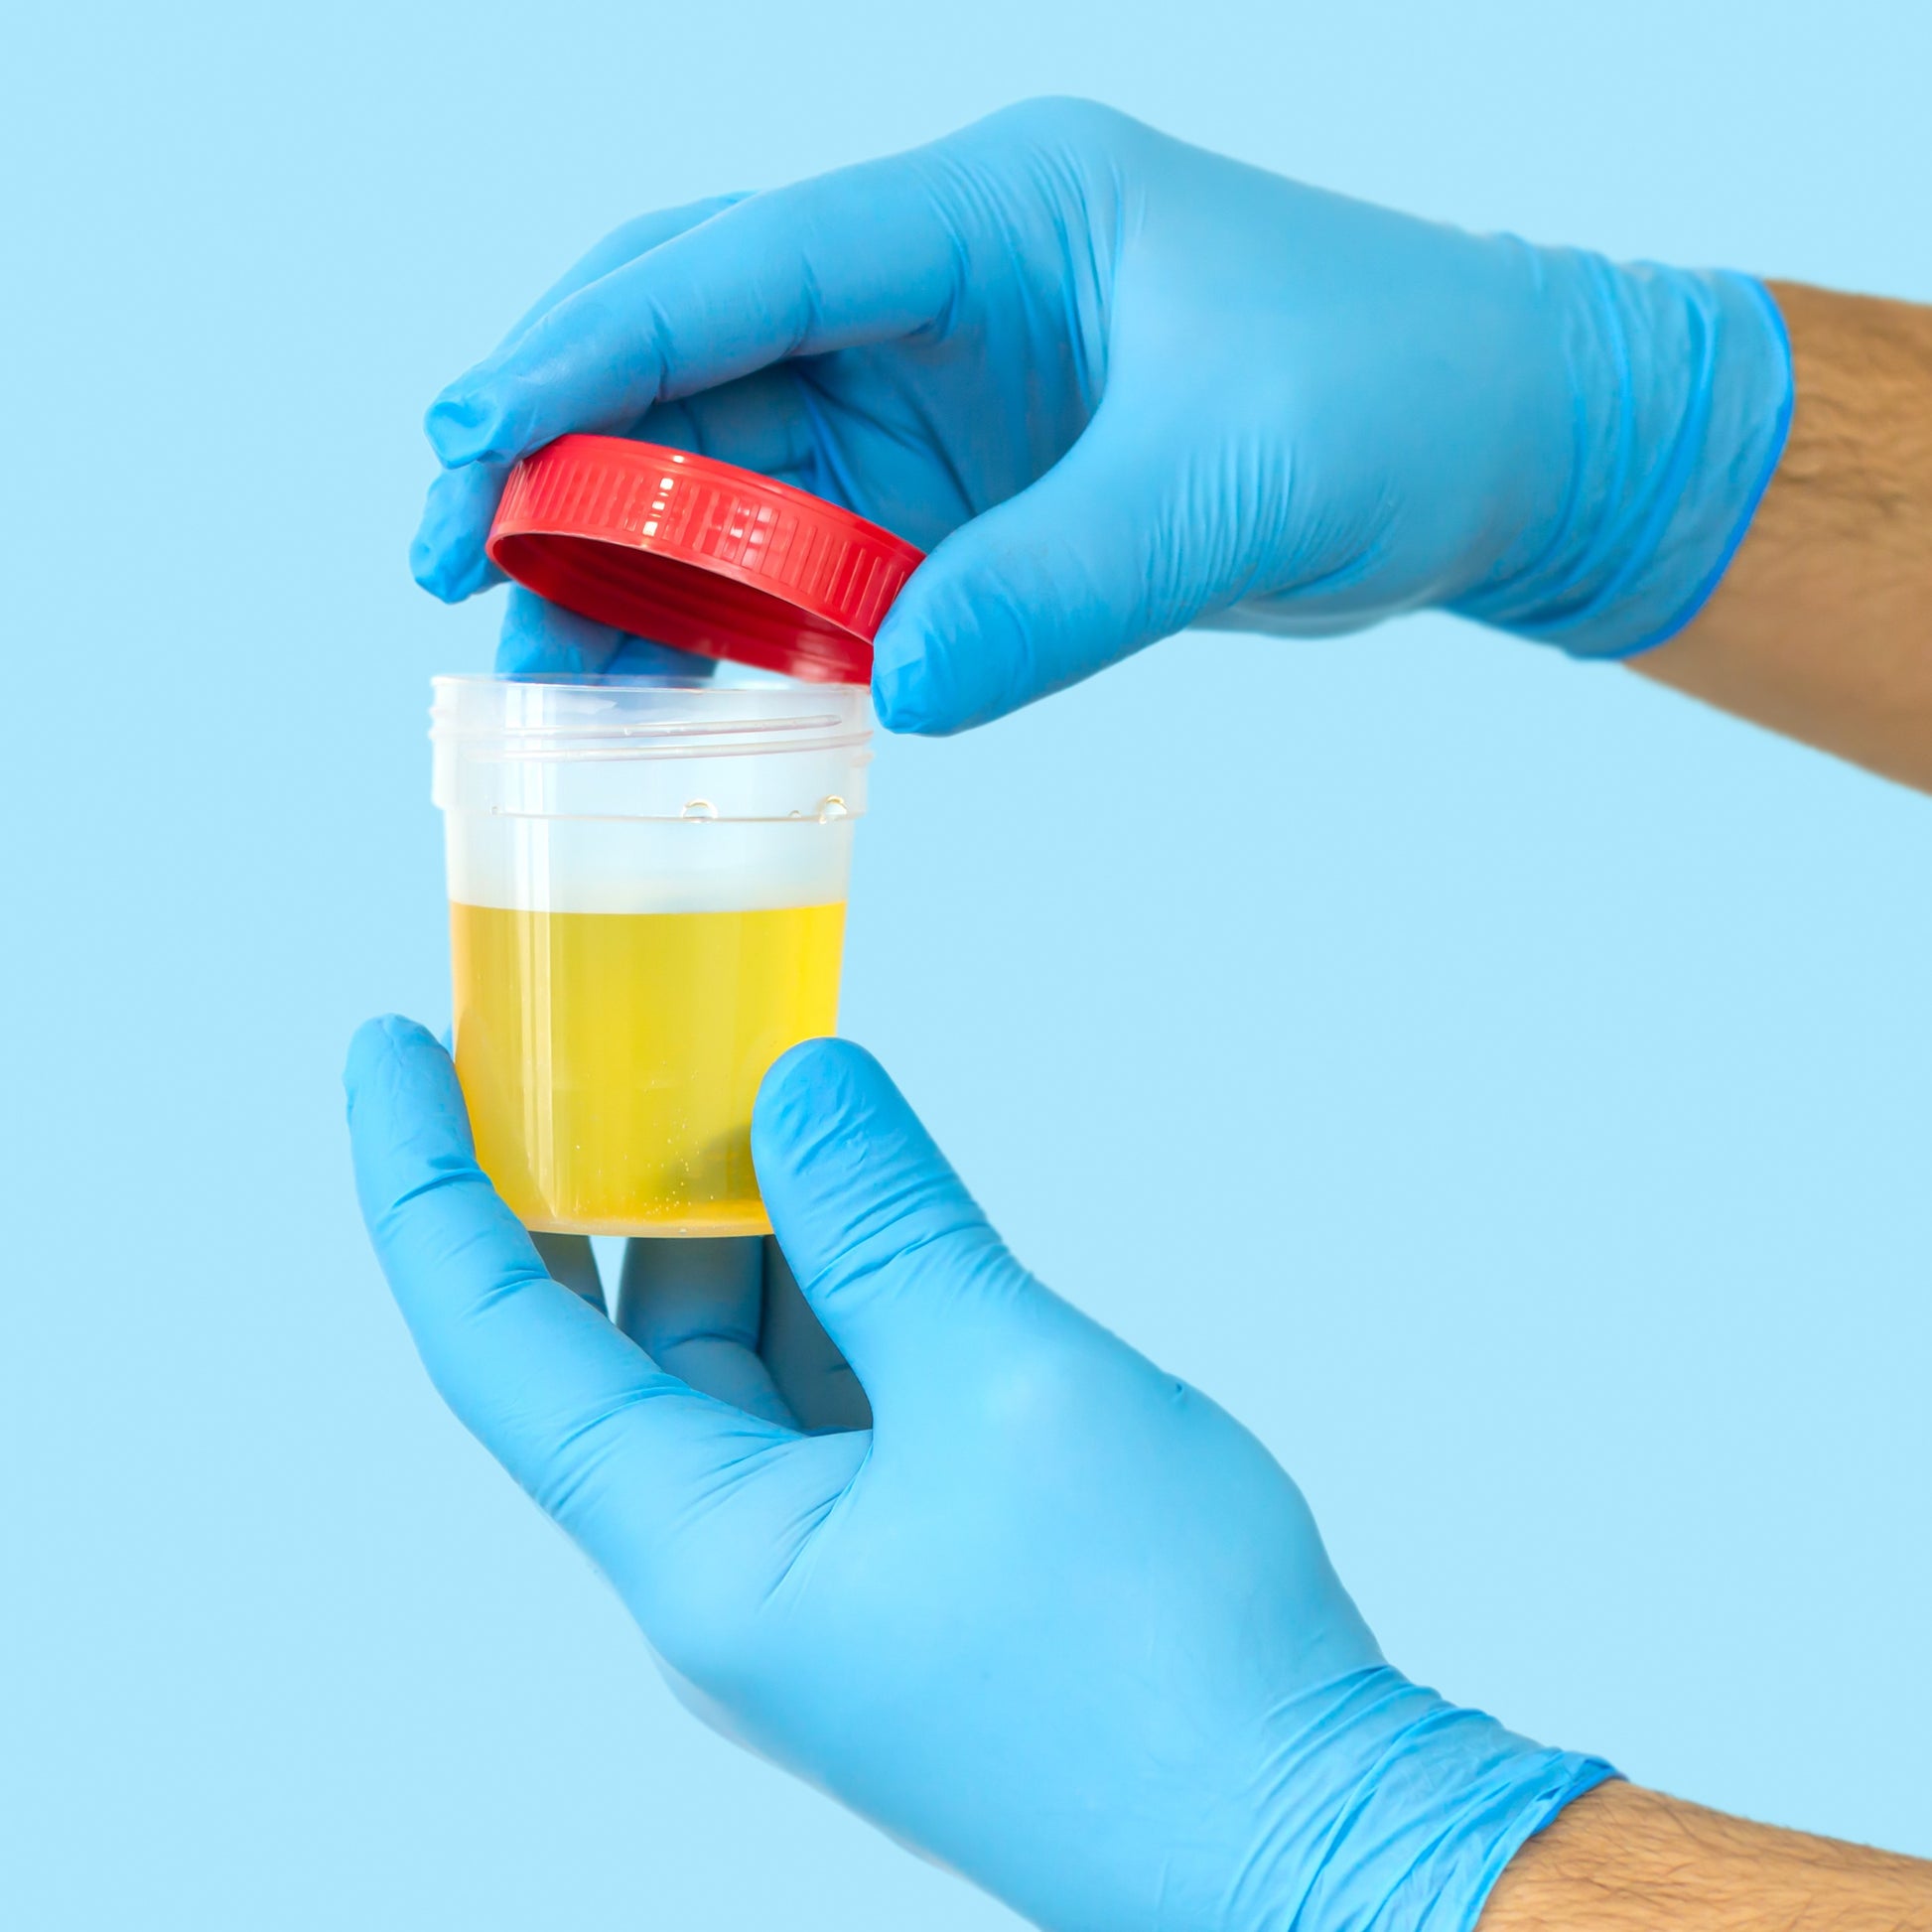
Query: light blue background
{"type": "Point", "coordinates": [1501, 1083]}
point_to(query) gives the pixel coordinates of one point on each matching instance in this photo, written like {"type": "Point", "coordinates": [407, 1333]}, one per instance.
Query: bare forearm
{"type": "Point", "coordinates": [1623, 1859]}
{"type": "Point", "coordinates": [1822, 628]}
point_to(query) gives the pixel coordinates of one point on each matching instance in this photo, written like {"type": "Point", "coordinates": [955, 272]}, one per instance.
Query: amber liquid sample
{"type": "Point", "coordinates": [610, 1060]}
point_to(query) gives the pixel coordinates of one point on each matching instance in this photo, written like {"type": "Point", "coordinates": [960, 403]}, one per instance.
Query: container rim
{"type": "Point", "coordinates": [768, 709]}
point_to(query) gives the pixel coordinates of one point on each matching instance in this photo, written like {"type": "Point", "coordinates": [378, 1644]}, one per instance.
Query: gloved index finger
{"type": "Point", "coordinates": [862, 256]}
{"type": "Point", "coordinates": [625, 243]}
{"type": "Point", "coordinates": [447, 557]}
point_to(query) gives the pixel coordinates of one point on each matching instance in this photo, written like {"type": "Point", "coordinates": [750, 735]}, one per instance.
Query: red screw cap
{"type": "Point", "coordinates": [701, 555]}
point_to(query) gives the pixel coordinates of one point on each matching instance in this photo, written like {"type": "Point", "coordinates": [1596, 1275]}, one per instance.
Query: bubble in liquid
{"type": "Point", "coordinates": [832, 806]}
{"type": "Point", "coordinates": [699, 808]}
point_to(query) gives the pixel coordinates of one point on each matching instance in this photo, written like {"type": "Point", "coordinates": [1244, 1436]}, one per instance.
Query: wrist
{"type": "Point", "coordinates": [1630, 1860]}
{"type": "Point", "coordinates": [1675, 397]}
{"type": "Point", "coordinates": [1403, 1815]}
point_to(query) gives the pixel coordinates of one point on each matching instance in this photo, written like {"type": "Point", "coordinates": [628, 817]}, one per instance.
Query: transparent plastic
{"type": "Point", "coordinates": [647, 884]}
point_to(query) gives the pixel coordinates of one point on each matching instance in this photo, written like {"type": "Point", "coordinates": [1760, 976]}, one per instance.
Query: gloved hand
{"type": "Point", "coordinates": [1054, 1617]}
{"type": "Point", "coordinates": [1118, 385]}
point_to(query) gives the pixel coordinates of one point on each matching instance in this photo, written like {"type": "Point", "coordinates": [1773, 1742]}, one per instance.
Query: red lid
{"type": "Point", "coordinates": [699, 554]}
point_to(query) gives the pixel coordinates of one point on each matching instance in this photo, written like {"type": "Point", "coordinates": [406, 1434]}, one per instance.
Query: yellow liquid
{"type": "Point", "coordinates": [610, 1060]}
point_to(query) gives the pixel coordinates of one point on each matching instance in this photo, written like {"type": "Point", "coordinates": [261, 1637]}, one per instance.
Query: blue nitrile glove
{"type": "Point", "coordinates": [1053, 1618]}
{"type": "Point", "coordinates": [1118, 385]}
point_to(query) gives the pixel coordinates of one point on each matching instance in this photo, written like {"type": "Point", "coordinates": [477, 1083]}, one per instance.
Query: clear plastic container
{"type": "Point", "coordinates": [647, 885]}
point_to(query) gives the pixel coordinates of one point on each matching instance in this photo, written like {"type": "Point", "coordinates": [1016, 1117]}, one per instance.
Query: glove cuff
{"type": "Point", "coordinates": [1682, 392]}
{"type": "Point", "coordinates": [1440, 1799]}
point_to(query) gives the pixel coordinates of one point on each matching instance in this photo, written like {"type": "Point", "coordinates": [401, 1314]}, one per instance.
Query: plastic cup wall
{"type": "Point", "coordinates": [638, 797]}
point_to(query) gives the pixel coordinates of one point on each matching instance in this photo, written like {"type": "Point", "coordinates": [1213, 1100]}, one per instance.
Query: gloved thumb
{"type": "Point", "coordinates": [1075, 572]}
{"type": "Point", "coordinates": [892, 1252]}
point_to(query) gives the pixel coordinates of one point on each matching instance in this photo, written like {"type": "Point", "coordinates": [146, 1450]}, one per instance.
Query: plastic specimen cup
{"type": "Point", "coordinates": [647, 883]}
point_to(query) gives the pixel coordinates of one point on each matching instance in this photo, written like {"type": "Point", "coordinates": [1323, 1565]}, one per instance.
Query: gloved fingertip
{"type": "Point", "coordinates": [463, 427]}
{"type": "Point", "coordinates": [366, 1045]}
{"type": "Point", "coordinates": [429, 565]}
{"type": "Point", "coordinates": [904, 685]}
{"type": "Point", "coordinates": [377, 1043]}
{"type": "Point", "coordinates": [406, 1113]}
{"type": "Point", "coordinates": [451, 582]}
{"type": "Point", "coordinates": [896, 698]}
{"type": "Point", "coordinates": [855, 1185]}
{"type": "Point", "coordinates": [917, 686]}
{"type": "Point", "coordinates": [806, 1092]}
{"type": "Point", "coordinates": [447, 556]}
